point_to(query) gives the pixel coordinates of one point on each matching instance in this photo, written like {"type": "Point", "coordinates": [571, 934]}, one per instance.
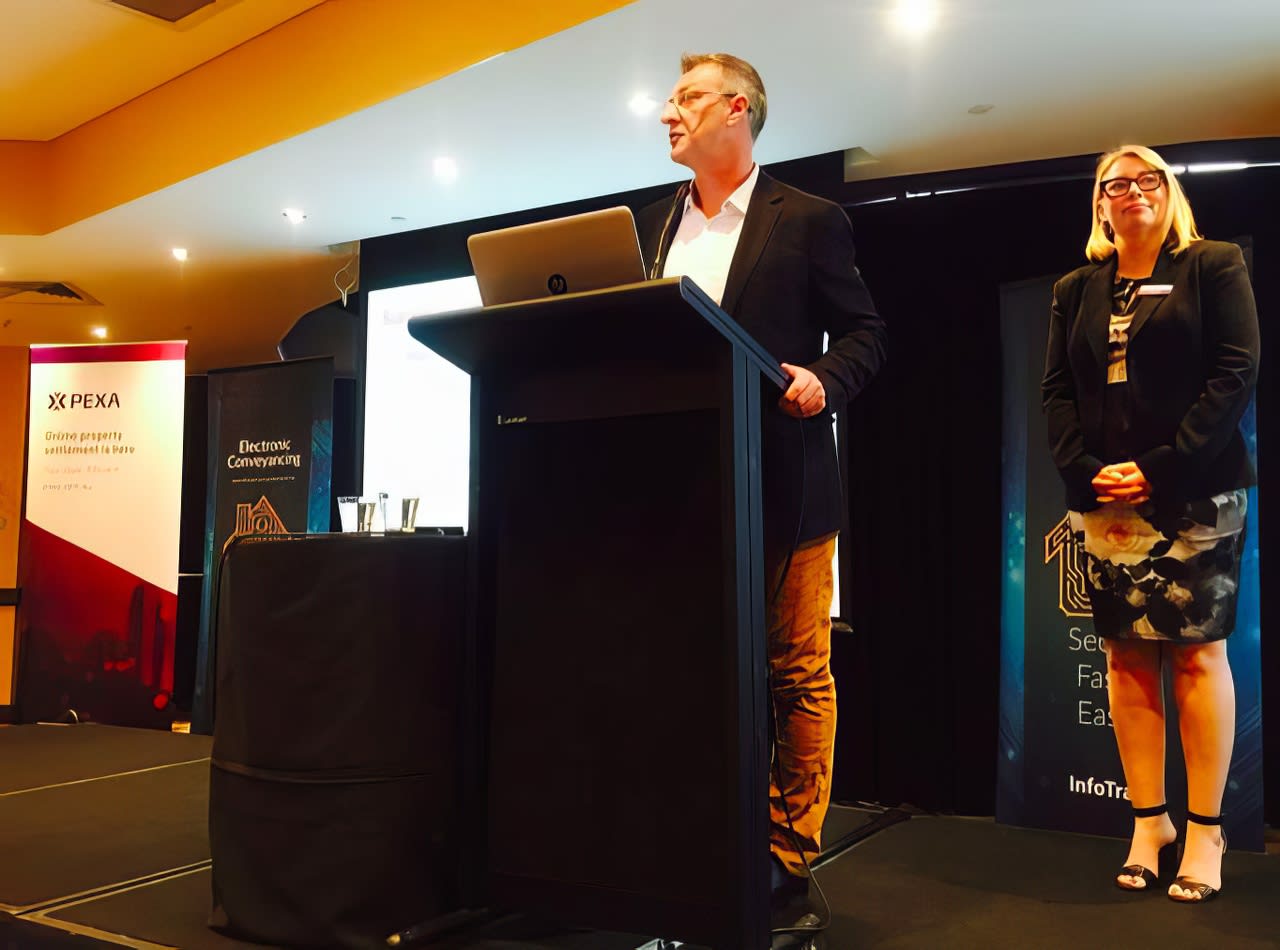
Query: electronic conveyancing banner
{"type": "Point", "coordinates": [1058, 764]}
{"type": "Point", "coordinates": [99, 552]}
{"type": "Point", "coordinates": [270, 461]}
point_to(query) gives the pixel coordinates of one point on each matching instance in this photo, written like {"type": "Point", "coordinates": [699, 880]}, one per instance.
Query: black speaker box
{"type": "Point", "coordinates": [326, 331]}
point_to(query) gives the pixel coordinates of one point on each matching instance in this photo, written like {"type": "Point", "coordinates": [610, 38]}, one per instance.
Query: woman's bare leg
{"type": "Point", "coordinates": [1205, 693]}
{"type": "Point", "coordinates": [1134, 689]}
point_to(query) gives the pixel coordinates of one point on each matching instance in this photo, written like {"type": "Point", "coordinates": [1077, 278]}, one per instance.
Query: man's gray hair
{"type": "Point", "coordinates": [742, 77]}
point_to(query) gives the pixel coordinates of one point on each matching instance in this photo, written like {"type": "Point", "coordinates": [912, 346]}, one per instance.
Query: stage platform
{"type": "Point", "coordinates": [103, 843]}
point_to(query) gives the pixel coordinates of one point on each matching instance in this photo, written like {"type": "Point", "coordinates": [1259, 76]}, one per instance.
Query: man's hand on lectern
{"type": "Point", "coordinates": [805, 396]}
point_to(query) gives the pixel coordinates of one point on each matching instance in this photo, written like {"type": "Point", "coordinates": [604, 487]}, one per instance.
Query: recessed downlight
{"type": "Point", "coordinates": [914, 17]}
{"type": "Point", "coordinates": [295, 215]}
{"type": "Point", "coordinates": [445, 169]}
{"type": "Point", "coordinates": [99, 333]}
{"type": "Point", "coordinates": [642, 104]}
{"type": "Point", "coordinates": [981, 108]}
{"type": "Point", "coordinates": [179, 253]}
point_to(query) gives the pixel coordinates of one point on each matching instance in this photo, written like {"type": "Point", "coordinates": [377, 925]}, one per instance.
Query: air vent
{"type": "Point", "coordinates": [36, 291]}
{"type": "Point", "coordinates": [170, 11]}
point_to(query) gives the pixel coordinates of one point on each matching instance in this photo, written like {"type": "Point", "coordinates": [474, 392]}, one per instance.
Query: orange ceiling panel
{"type": "Point", "coordinates": [78, 59]}
{"type": "Point", "coordinates": [336, 58]}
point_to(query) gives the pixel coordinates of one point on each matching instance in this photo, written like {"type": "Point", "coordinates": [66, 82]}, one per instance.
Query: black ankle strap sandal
{"type": "Point", "coordinates": [1199, 893]}
{"type": "Point", "coordinates": [1204, 819]}
{"type": "Point", "coordinates": [1151, 812]}
{"type": "Point", "coordinates": [1164, 860]}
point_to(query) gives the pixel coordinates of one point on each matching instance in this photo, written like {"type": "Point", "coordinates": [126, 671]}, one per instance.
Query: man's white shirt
{"type": "Point", "coordinates": [703, 247]}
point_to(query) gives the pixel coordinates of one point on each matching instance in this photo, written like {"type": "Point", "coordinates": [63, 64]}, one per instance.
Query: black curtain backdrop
{"type": "Point", "coordinates": [918, 676]}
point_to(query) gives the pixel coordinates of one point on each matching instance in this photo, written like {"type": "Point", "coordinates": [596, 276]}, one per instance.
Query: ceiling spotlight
{"type": "Point", "coordinates": [981, 107]}
{"type": "Point", "coordinates": [398, 217]}
{"type": "Point", "coordinates": [915, 17]}
{"type": "Point", "coordinates": [642, 104]}
{"type": "Point", "coordinates": [99, 332]}
{"type": "Point", "coordinates": [445, 170]}
{"type": "Point", "coordinates": [179, 253]}
{"type": "Point", "coordinates": [295, 215]}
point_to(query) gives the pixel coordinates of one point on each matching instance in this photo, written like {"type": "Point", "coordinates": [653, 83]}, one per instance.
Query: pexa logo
{"type": "Point", "coordinates": [60, 401]}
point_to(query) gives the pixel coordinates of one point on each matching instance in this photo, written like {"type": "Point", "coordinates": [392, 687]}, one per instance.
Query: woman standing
{"type": "Point", "coordinates": [1152, 359]}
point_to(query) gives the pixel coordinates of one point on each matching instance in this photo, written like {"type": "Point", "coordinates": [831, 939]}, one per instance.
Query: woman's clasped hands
{"type": "Point", "coordinates": [1122, 481]}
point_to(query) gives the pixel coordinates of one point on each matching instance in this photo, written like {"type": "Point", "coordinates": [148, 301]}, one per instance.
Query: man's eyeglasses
{"type": "Point", "coordinates": [681, 100]}
{"type": "Point", "coordinates": [1119, 187]}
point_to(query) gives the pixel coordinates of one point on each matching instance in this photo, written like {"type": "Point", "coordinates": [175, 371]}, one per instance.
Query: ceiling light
{"type": "Point", "coordinates": [445, 170]}
{"type": "Point", "coordinates": [1218, 167]}
{"type": "Point", "coordinates": [915, 17]}
{"type": "Point", "coordinates": [398, 217]}
{"type": "Point", "coordinates": [179, 253]}
{"type": "Point", "coordinates": [642, 104]}
{"type": "Point", "coordinates": [981, 107]}
{"type": "Point", "coordinates": [295, 215]}
{"type": "Point", "coordinates": [99, 332]}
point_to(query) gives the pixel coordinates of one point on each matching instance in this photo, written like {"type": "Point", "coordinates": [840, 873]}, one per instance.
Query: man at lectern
{"type": "Point", "coordinates": [781, 263]}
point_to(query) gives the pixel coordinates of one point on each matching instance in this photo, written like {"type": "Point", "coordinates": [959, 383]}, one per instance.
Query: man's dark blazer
{"type": "Point", "coordinates": [791, 280]}
{"type": "Point", "coordinates": [1192, 361]}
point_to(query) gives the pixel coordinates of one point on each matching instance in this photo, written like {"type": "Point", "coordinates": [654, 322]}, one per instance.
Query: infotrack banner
{"type": "Point", "coordinates": [270, 462]}
{"type": "Point", "coordinates": [1058, 767]}
{"type": "Point", "coordinates": [98, 563]}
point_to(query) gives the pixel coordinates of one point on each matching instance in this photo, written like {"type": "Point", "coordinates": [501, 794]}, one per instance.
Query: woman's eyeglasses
{"type": "Point", "coordinates": [1119, 187]}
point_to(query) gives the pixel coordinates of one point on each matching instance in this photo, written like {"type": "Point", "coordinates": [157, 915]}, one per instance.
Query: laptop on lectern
{"type": "Point", "coordinates": [563, 256]}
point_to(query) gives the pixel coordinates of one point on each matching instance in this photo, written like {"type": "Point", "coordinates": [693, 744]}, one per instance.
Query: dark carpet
{"type": "Point", "coordinates": [961, 883]}
{"type": "Point", "coordinates": [173, 912]}
{"type": "Point", "coordinates": [73, 838]}
{"type": "Point", "coordinates": [35, 756]}
{"type": "Point", "coordinates": [892, 880]}
{"type": "Point", "coordinates": [18, 934]}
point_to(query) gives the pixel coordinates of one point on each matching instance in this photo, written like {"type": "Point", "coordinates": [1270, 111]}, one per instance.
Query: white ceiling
{"type": "Point", "coordinates": [549, 123]}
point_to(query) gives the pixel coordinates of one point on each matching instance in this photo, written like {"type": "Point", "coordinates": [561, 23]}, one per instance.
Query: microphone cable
{"type": "Point", "coordinates": [681, 193]}
{"type": "Point", "coordinates": [820, 923]}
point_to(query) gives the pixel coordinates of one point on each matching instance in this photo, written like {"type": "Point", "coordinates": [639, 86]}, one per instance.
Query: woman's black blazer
{"type": "Point", "coordinates": [1192, 361]}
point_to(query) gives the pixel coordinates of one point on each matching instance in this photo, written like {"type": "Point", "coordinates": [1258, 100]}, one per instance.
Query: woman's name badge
{"type": "Point", "coordinates": [1155, 290]}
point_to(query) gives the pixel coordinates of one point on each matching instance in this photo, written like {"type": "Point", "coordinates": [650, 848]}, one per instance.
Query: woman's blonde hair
{"type": "Point", "coordinates": [1178, 220]}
